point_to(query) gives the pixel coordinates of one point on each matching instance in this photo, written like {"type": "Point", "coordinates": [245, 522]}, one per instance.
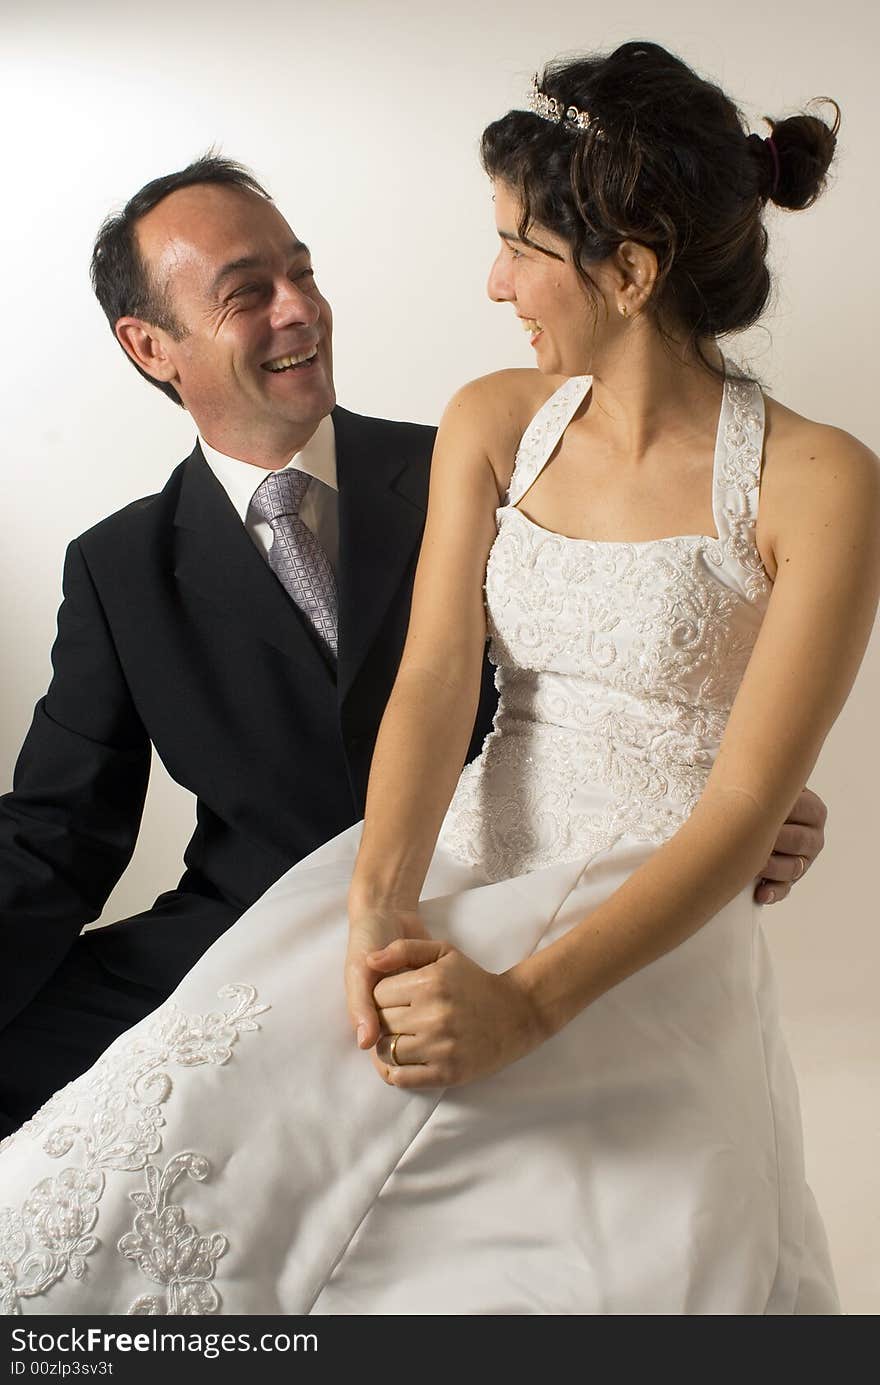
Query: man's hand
{"type": "Point", "coordinates": [800, 840]}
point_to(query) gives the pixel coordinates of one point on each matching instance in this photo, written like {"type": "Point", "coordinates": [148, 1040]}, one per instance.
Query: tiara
{"type": "Point", "coordinates": [548, 108]}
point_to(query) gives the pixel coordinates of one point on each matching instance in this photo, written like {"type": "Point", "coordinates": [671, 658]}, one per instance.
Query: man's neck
{"type": "Point", "coordinates": [267, 454]}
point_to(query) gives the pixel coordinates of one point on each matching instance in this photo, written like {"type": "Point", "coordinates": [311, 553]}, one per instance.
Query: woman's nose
{"type": "Point", "coordinates": [499, 286]}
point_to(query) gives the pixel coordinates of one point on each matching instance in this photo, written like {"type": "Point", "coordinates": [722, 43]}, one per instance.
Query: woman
{"type": "Point", "coordinates": [586, 1103]}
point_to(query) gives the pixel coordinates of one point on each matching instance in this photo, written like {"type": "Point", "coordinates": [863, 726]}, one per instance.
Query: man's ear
{"type": "Point", "coordinates": [147, 347]}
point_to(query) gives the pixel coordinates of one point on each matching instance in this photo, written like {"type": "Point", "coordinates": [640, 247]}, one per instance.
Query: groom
{"type": "Point", "coordinates": [247, 622]}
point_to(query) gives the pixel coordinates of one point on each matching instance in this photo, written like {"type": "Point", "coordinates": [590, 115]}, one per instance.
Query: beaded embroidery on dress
{"type": "Point", "coordinates": [617, 663]}
{"type": "Point", "coordinates": [109, 1123]}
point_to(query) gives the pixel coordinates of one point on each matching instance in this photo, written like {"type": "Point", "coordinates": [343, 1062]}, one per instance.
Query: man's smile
{"type": "Point", "coordinates": [291, 362]}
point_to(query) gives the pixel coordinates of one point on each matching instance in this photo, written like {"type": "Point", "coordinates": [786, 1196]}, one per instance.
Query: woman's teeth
{"type": "Point", "coordinates": [531, 326]}
{"type": "Point", "coordinates": [285, 362]}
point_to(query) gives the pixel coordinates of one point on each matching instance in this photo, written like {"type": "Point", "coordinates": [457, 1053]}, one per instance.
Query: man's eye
{"type": "Point", "coordinates": [306, 273]}
{"type": "Point", "coordinates": [245, 290]}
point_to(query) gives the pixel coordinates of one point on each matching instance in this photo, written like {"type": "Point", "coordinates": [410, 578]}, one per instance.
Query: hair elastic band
{"type": "Point", "coordinates": [769, 141]}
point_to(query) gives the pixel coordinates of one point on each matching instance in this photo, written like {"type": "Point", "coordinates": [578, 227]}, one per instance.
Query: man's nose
{"type": "Point", "coordinates": [292, 305]}
{"type": "Point", "coordinates": [499, 287]}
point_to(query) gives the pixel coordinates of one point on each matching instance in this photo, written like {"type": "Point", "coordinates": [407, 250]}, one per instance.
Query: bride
{"type": "Point", "coordinates": [582, 1102]}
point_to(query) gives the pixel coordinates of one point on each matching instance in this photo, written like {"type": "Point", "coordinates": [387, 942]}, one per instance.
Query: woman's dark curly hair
{"type": "Point", "coordinates": [666, 161]}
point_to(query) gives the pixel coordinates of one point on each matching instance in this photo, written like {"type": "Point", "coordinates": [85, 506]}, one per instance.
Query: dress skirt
{"type": "Point", "coordinates": [236, 1153]}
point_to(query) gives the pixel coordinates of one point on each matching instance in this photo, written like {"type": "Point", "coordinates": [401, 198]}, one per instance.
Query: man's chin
{"type": "Point", "coordinates": [310, 390]}
{"type": "Point", "coordinates": [307, 410]}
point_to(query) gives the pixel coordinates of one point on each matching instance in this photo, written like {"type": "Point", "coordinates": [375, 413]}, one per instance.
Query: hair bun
{"type": "Point", "coordinates": [804, 147]}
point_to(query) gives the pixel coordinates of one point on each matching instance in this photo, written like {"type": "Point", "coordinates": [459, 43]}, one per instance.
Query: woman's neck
{"type": "Point", "coordinates": [646, 392]}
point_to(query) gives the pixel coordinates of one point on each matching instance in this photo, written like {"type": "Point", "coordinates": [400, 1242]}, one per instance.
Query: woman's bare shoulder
{"type": "Point", "coordinates": [506, 398]}
{"type": "Point", "coordinates": [805, 460]}
{"type": "Point", "coordinates": [793, 442]}
{"type": "Point", "coordinates": [497, 409]}
{"type": "Point", "coordinates": [813, 468]}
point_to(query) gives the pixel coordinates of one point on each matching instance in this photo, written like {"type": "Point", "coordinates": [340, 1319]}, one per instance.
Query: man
{"type": "Point", "coordinates": [247, 621]}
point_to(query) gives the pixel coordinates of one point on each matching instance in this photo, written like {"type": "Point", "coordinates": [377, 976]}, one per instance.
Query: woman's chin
{"type": "Point", "coordinates": [549, 360]}
{"type": "Point", "coordinates": [546, 361]}
{"type": "Point", "coordinates": [558, 365]}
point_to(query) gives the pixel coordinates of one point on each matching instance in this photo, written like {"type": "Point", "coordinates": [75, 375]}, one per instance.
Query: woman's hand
{"type": "Point", "coordinates": [454, 1021]}
{"type": "Point", "coordinates": [371, 928]}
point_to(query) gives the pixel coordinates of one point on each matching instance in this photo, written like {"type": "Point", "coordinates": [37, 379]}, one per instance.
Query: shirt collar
{"type": "Point", "coordinates": [241, 479]}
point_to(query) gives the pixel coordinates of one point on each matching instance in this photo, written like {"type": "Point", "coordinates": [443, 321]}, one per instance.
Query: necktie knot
{"type": "Point", "coordinates": [280, 494]}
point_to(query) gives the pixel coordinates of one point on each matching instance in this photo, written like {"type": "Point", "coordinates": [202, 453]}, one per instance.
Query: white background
{"type": "Point", "coordinates": [363, 120]}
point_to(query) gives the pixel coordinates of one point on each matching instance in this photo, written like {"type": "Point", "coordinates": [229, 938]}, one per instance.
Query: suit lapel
{"type": "Point", "coordinates": [382, 500]}
{"type": "Point", "coordinates": [216, 557]}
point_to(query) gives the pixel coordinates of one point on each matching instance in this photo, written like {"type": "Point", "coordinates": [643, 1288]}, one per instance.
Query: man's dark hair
{"type": "Point", "coordinates": [122, 281]}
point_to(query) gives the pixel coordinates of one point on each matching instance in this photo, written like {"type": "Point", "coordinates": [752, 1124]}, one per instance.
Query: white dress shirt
{"type": "Point", "coordinates": [319, 511]}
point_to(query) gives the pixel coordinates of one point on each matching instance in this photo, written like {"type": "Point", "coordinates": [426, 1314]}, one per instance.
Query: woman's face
{"type": "Point", "coordinates": [565, 323]}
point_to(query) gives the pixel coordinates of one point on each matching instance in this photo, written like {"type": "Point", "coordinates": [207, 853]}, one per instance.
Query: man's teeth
{"type": "Point", "coordinates": [531, 326]}
{"type": "Point", "coordinates": [285, 362]}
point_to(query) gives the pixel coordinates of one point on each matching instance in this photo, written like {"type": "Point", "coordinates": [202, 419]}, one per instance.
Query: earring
{"type": "Point", "coordinates": [623, 309]}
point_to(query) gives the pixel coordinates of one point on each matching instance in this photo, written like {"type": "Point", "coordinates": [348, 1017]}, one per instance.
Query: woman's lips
{"type": "Point", "coordinates": [532, 327]}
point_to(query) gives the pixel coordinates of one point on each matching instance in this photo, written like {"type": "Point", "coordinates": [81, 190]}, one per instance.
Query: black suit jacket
{"type": "Point", "coordinates": [173, 630]}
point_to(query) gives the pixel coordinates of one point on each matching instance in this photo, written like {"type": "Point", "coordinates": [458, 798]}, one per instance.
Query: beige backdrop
{"type": "Point", "coordinates": [363, 118]}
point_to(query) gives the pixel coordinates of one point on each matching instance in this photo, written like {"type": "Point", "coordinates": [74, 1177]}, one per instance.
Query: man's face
{"type": "Point", "coordinates": [254, 365]}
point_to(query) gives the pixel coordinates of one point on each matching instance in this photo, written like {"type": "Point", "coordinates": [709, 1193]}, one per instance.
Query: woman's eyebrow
{"type": "Point", "coordinates": [533, 245]}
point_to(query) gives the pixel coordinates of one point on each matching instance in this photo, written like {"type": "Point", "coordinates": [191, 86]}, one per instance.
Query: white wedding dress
{"type": "Point", "coordinates": [236, 1153]}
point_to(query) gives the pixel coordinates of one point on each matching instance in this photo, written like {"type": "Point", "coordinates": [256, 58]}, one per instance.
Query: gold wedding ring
{"type": "Point", "coordinates": [803, 861]}
{"type": "Point", "coordinates": [392, 1051]}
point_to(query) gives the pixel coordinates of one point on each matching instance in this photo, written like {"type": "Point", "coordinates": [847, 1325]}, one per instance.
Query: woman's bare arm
{"type": "Point", "coordinates": [826, 541]}
{"type": "Point", "coordinates": [429, 719]}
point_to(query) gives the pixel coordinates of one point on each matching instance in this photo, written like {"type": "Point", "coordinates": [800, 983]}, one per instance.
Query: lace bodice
{"type": "Point", "coordinates": [617, 663]}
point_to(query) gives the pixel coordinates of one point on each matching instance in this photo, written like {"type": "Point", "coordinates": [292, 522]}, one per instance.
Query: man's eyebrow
{"type": "Point", "coordinates": [298, 249]}
{"type": "Point", "coordinates": [533, 245]}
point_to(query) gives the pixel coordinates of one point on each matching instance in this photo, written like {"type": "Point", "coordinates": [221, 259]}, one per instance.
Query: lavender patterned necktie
{"type": "Point", "coordinates": [296, 557]}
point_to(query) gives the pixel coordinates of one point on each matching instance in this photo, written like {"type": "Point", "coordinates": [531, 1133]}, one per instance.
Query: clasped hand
{"type": "Point", "coordinates": [453, 1020]}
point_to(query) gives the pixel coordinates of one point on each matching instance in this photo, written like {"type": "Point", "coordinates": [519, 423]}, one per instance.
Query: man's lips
{"type": "Point", "coordinates": [291, 360]}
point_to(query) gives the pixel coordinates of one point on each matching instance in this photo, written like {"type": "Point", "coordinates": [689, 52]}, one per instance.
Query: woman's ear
{"type": "Point", "coordinates": [635, 267]}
